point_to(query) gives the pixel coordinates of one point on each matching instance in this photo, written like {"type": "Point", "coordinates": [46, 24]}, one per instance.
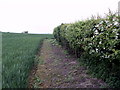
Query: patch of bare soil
{"type": "Point", "coordinates": [60, 70]}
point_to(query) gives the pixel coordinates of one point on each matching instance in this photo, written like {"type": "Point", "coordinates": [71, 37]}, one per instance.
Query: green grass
{"type": "Point", "coordinates": [18, 54]}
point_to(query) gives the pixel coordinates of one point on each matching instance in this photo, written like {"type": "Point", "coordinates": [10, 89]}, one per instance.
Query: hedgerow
{"type": "Point", "coordinates": [96, 42]}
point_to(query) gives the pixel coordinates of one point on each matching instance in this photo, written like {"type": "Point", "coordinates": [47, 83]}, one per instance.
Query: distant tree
{"type": "Point", "coordinates": [62, 23]}
{"type": "Point", "coordinates": [25, 32]}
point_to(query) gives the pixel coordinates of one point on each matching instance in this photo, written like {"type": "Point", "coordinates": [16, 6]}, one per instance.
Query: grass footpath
{"type": "Point", "coordinates": [19, 52]}
{"type": "Point", "coordinates": [58, 69]}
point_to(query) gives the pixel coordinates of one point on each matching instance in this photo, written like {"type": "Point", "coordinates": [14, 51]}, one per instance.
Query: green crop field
{"type": "Point", "coordinates": [18, 56]}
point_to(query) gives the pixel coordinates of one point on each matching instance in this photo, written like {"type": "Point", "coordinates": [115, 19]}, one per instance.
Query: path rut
{"type": "Point", "coordinates": [60, 70]}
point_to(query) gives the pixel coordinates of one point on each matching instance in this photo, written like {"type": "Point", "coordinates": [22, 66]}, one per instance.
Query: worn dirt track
{"type": "Point", "coordinates": [57, 69]}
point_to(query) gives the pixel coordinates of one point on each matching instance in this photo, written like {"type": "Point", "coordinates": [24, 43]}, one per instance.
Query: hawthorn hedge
{"type": "Point", "coordinates": [96, 42]}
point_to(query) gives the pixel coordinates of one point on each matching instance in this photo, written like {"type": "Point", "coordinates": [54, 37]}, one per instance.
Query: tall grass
{"type": "Point", "coordinates": [18, 55]}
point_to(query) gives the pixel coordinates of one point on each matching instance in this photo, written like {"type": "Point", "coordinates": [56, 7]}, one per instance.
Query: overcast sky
{"type": "Point", "coordinates": [41, 16]}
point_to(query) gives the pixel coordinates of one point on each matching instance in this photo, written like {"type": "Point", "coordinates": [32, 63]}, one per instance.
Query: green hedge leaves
{"type": "Point", "coordinates": [97, 43]}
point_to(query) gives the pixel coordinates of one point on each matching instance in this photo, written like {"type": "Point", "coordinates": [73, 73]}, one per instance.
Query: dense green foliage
{"type": "Point", "coordinates": [97, 43]}
{"type": "Point", "coordinates": [18, 56]}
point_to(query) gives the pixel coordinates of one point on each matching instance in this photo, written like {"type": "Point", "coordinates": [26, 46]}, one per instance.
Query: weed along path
{"type": "Point", "coordinates": [57, 69]}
